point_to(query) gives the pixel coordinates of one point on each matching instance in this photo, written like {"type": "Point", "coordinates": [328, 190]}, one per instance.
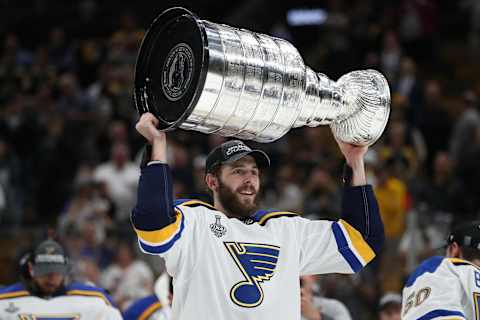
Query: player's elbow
{"type": "Point", "coordinates": [377, 243]}
{"type": "Point", "coordinates": [376, 239]}
{"type": "Point", "coordinates": [145, 220]}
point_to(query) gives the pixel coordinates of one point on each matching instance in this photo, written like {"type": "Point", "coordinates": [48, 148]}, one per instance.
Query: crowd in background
{"type": "Point", "coordinates": [69, 153]}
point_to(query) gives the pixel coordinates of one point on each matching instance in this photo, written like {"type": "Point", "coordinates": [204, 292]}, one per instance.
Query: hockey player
{"type": "Point", "coordinates": [44, 294]}
{"type": "Point", "coordinates": [155, 306]}
{"type": "Point", "coordinates": [231, 260]}
{"type": "Point", "coordinates": [447, 287]}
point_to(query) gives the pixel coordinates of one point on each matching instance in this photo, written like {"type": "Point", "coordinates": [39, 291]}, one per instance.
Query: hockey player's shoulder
{"type": "Point", "coordinates": [193, 203]}
{"type": "Point", "coordinates": [263, 216]}
{"type": "Point", "coordinates": [143, 308]}
{"type": "Point", "coordinates": [14, 291]}
{"type": "Point", "coordinates": [428, 266]}
{"type": "Point", "coordinates": [460, 262]}
{"type": "Point", "coordinates": [84, 290]}
{"type": "Point", "coordinates": [432, 264]}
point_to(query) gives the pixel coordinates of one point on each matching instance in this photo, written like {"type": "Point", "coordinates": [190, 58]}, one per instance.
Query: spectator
{"type": "Point", "coordinates": [10, 188]}
{"type": "Point", "coordinates": [433, 121]}
{"type": "Point", "coordinates": [392, 195]}
{"type": "Point", "coordinates": [128, 278]}
{"type": "Point", "coordinates": [391, 55]}
{"type": "Point", "coordinates": [287, 193]}
{"type": "Point", "coordinates": [408, 86]}
{"type": "Point", "coordinates": [390, 306]}
{"type": "Point", "coordinates": [465, 128]}
{"type": "Point", "coordinates": [443, 183]}
{"type": "Point", "coordinates": [92, 246]}
{"type": "Point", "coordinates": [322, 195]}
{"type": "Point", "coordinates": [400, 155]}
{"type": "Point", "coordinates": [120, 177]}
{"type": "Point", "coordinates": [315, 307]}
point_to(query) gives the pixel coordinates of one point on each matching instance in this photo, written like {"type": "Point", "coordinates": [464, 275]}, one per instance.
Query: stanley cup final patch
{"type": "Point", "coordinates": [177, 71]}
{"type": "Point", "coordinates": [11, 308]}
{"type": "Point", "coordinates": [217, 228]}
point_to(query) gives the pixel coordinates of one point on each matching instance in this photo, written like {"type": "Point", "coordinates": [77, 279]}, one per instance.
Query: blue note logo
{"type": "Point", "coordinates": [257, 263]}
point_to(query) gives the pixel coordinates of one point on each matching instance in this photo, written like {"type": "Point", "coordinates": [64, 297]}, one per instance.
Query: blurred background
{"type": "Point", "coordinates": [69, 152]}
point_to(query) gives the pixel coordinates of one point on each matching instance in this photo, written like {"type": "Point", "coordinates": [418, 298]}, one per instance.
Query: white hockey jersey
{"type": "Point", "coordinates": [442, 288]}
{"type": "Point", "coordinates": [80, 302]}
{"type": "Point", "coordinates": [226, 268]}
{"type": "Point", "coordinates": [147, 308]}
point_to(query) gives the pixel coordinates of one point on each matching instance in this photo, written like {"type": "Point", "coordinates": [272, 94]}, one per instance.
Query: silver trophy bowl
{"type": "Point", "coordinates": [197, 75]}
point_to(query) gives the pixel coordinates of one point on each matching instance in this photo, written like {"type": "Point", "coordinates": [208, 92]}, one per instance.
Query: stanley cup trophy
{"type": "Point", "coordinates": [197, 75]}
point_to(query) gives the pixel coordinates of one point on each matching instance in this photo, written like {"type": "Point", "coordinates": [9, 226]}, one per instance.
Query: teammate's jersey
{"type": "Point", "coordinates": [147, 308]}
{"type": "Point", "coordinates": [78, 303]}
{"type": "Point", "coordinates": [226, 268]}
{"type": "Point", "coordinates": [442, 288]}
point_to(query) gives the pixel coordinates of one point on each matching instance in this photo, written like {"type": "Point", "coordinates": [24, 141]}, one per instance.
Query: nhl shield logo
{"type": "Point", "coordinates": [217, 228]}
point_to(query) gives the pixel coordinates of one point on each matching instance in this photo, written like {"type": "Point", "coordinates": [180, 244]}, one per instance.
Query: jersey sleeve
{"type": "Point", "coordinates": [434, 291]}
{"type": "Point", "coordinates": [331, 247]}
{"type": "Point", "coordinates": [178, 243]}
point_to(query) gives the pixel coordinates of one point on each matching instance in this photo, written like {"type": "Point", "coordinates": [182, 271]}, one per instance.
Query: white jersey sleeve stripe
{"type": "Point", "coordinates": [163, 247]}
{"type": "Point", "coordinates": [442, 314]}
{"type": "Point", "coordinates": [360, 247]}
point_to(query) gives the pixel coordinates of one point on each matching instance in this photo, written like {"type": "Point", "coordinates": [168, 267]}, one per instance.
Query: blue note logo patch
{"type": "Point", "coordinates": [257, 263]}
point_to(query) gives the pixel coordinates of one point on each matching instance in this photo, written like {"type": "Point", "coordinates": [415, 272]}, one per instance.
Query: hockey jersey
{"type": "Point", "coordinates": [227, 268]}
{"type": "Point", "coordinates": [78, 303]}
{"type": "Point", "coordinates": [442, 288]}
{"type": "Point", "coordinates": [147, 308]}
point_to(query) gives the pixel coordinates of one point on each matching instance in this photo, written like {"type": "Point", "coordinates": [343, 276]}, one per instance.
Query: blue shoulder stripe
{"type": "Point", "coordinates": [14, 291]}
{"type": "Point", "coordinates": [12, 288]}
{"type": "Point", "coordinates": [261, 213]}
{"type": "Point", "coordinates": [81, 289]}
{"type": "Point", "coordinates": [178, 202]}
{"type": "Point", "coordinates": [441, 313]}
{"type": "Point", "coordinates": [140, 308]}
{"type": "Point", "coordinates": [428, 266]}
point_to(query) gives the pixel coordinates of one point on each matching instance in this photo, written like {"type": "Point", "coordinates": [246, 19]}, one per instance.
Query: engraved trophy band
{"type": "Point", "coordinates": [197, 75]}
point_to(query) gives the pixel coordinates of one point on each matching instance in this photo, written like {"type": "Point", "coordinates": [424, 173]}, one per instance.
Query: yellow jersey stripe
{"type": "Point", "coordinates": [14, 294]}
{"type": "Point", "coordinates": [197, 202]}
{"type": "Point", "coordinates": [88, 293]}
{"type": "Point", "coordinates": [358, 242]}
{"type": "Point", "coordinates": [276, 214]}
{"type": "Point", "coordinates": [148, 312]}
{"type": "Point", "coordinates": [159, 236]}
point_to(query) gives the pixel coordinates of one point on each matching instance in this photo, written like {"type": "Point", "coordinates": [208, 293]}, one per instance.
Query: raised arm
{"type": "Point", "coordinates": [154, 209]}
{"type": "Point", "coordinates": [359, 204]}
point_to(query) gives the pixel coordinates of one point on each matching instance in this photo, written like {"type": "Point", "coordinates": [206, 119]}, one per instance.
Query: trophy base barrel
{"type": "Point", "coordinates": [169, 73]}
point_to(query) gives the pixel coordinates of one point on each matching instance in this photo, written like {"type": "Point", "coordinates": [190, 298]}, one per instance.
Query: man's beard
{"type": "Point", "coordinates": [231, 202]}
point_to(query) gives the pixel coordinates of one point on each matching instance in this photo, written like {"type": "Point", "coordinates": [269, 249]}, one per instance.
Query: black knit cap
{"type": "Point", "coordinates": [232, 151]}
{"type": "Point", "coordinates": [466, 235]}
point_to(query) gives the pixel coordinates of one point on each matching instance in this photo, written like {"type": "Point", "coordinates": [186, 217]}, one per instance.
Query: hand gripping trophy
{"type": "Point", "coordinates": [197, 75]}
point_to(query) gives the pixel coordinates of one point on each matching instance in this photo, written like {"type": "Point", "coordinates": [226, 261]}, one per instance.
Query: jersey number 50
{"type": "Point", "coordinates": [416, 298]}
